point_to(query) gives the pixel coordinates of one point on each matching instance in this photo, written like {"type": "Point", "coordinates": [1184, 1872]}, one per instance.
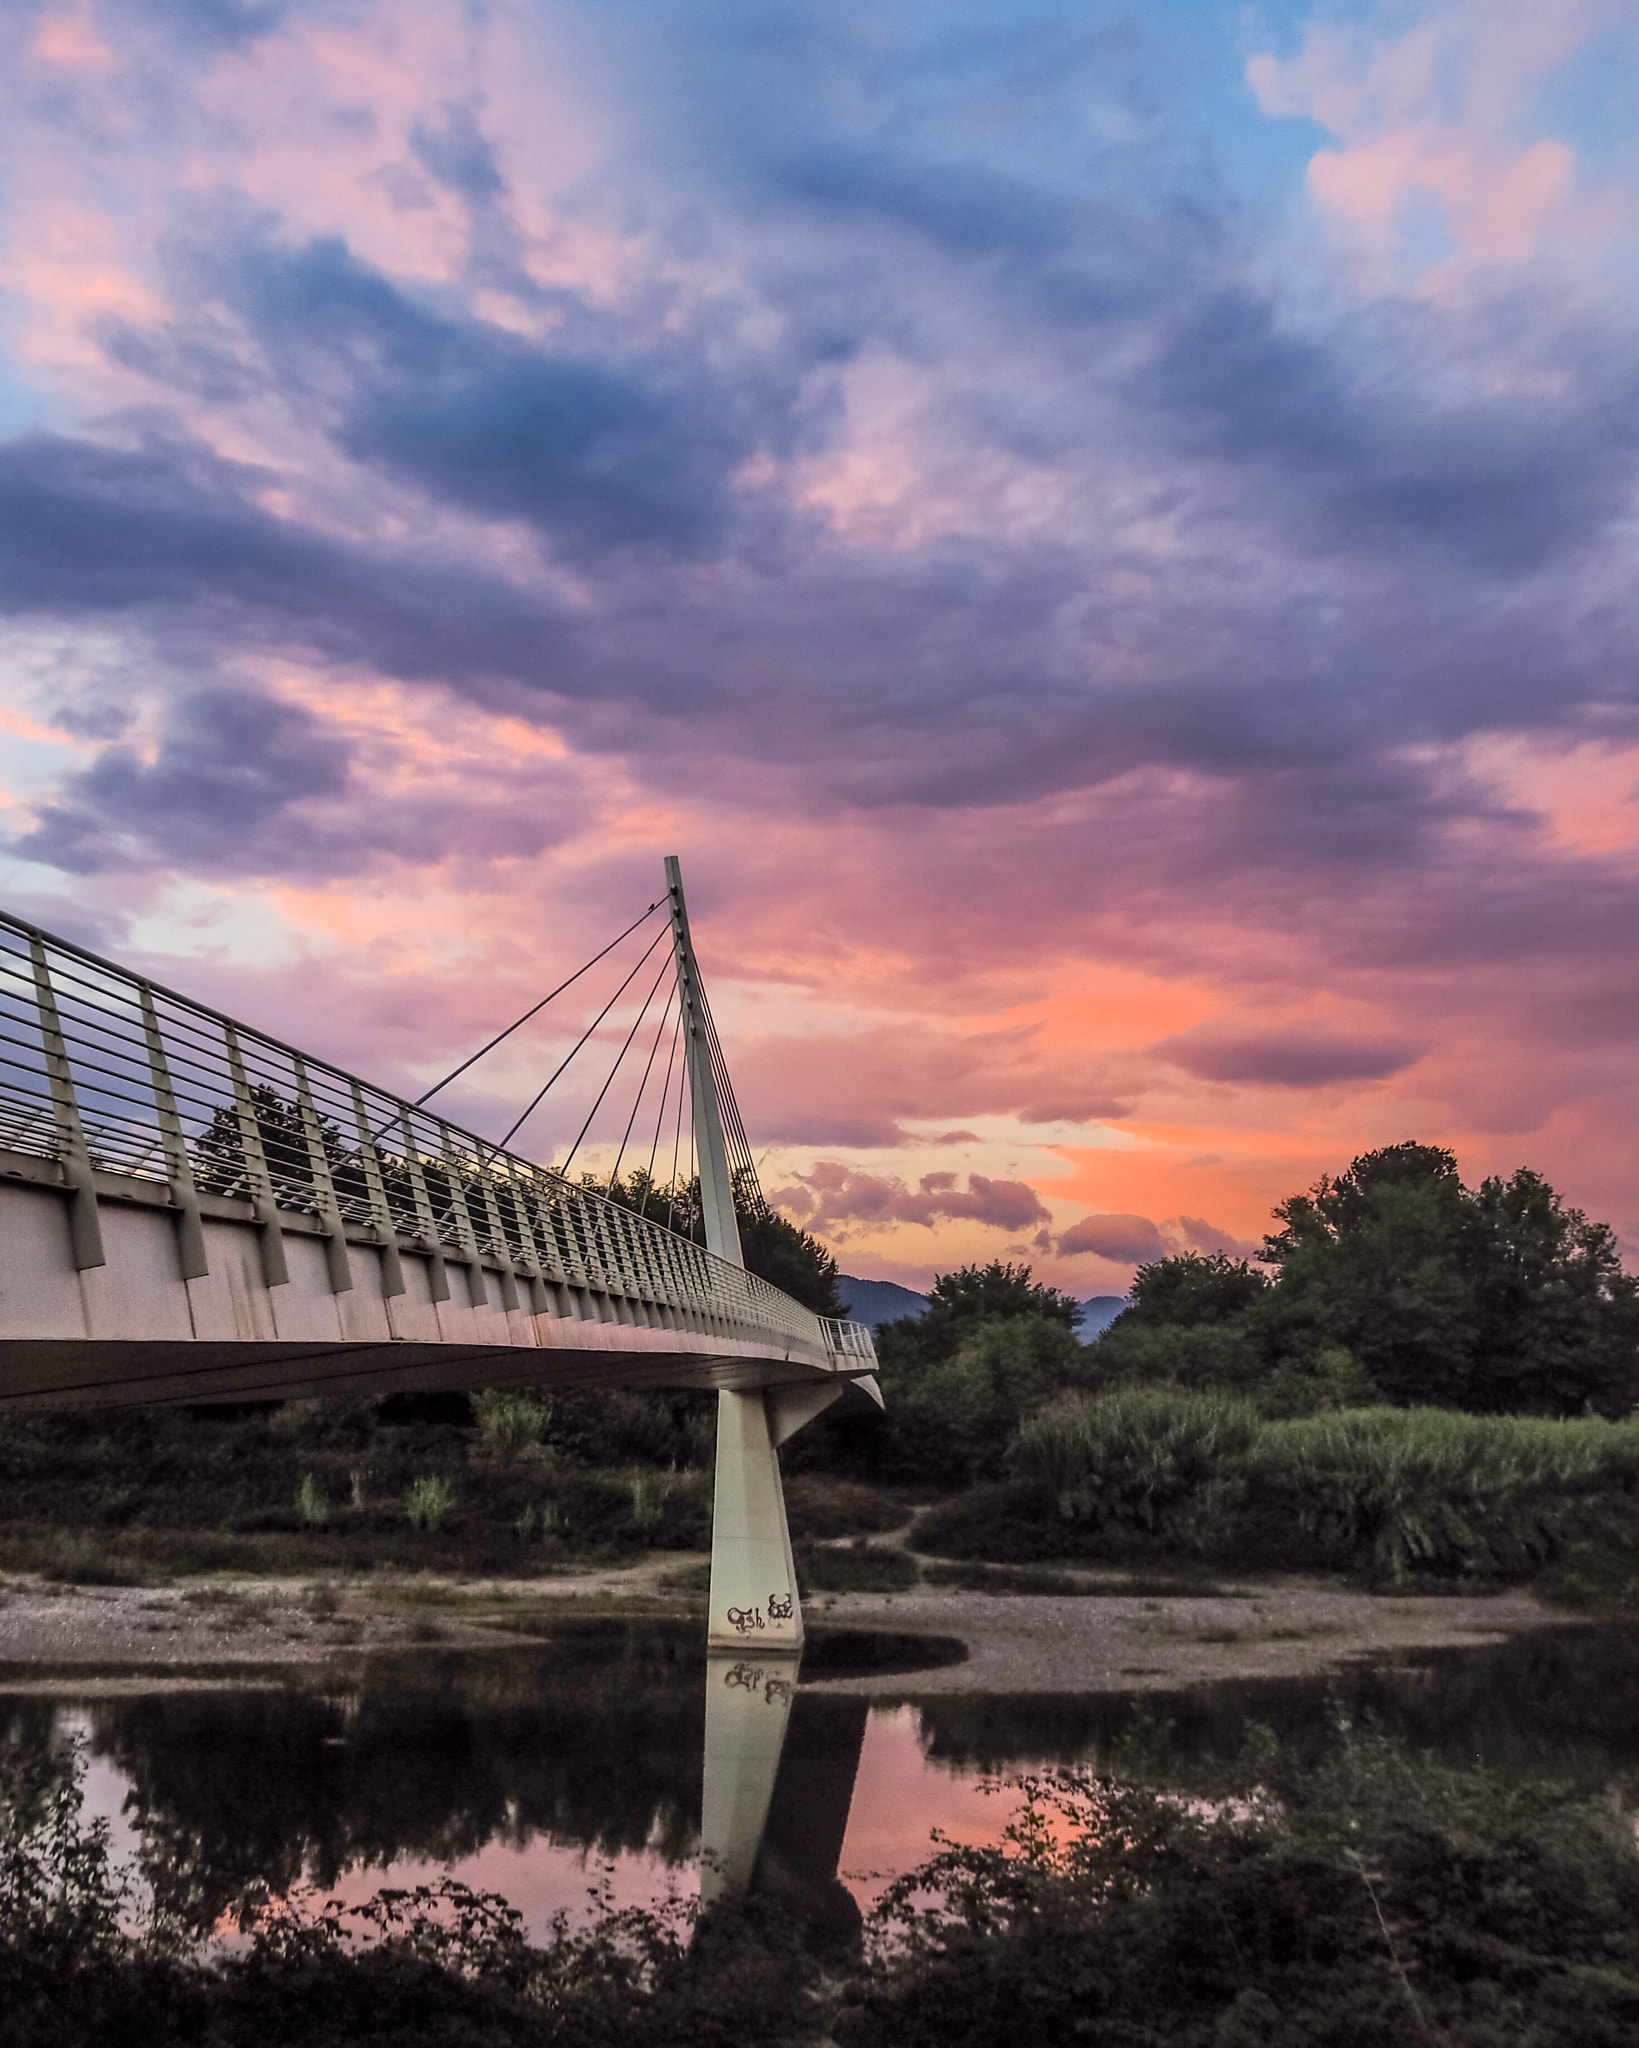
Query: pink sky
{"type": "Point", "coordinates": [1107, 550]}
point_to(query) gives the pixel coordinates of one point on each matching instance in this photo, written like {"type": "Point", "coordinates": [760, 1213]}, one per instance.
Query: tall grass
{"type": "Point", "coordinates": [1142, 1430]}
{"type": "Point", "coordinates": [1084, 1439]}
{"type": "Point", "coordinates": [1391, 1490]}
{"type": "Point", "coordinates": [428, 1502]}
{"type": "Point", "coordinates": [510, 1419]}
{"type": "Point", "coordinates": [312, 1508]}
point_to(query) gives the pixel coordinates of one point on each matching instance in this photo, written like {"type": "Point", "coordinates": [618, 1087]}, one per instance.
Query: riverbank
{"type": "Point", "coordinates": [1146, 1636]}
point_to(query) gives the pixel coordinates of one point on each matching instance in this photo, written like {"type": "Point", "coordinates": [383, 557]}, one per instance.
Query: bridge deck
{"type": "Point", "coordinates": [192, 1211]}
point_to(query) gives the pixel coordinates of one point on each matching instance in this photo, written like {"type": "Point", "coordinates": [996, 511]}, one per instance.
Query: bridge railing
{"type": "Point", "coordinates": [106, 1072]}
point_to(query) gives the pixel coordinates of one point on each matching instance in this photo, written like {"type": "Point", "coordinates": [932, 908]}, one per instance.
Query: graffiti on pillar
{"type": "Point", "coordinates": [746, 1620]}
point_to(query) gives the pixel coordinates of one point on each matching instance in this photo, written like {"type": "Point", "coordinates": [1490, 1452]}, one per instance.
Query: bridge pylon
{"type": "Point", "coordinates": [754, 1601]}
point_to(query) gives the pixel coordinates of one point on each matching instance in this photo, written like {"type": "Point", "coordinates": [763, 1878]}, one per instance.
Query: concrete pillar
{"type": "Point", "coordinates": [754, 1605]}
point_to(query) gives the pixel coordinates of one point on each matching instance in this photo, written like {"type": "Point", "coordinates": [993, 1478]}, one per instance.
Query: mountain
{"type": "Point", "coordinates": [879, 1301]}
{"type": "Point", "coordinates": [1098, 1312]}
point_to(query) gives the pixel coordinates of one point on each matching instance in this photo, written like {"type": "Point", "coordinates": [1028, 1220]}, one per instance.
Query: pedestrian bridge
{"type": "Point", "coordinates": [192, 1211]}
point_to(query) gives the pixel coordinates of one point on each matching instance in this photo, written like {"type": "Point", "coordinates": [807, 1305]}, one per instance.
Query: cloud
{"type": "Point", "coordinates": [235, 782]}
{"type": "Point", "coordinates": [904, 472]}
{"type": "Point", "coordinates": [1197, 1235]}
{"type": "Point", "coordinates": [1298, 1057]}
{"type": "Point", "coordinates": [834, 1200]}
{"type": "Point", "coordinates": [1121, 1238]}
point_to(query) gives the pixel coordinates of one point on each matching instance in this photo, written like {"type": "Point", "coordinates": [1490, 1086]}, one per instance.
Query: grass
{"type": "Point", "coordinates": [428, 1502]}
{"type": "Point", "coordinates": [1083, 1439]}
{"type": "Point", "coordinates": [1484, 1454]}
{"type": "Point", "coordinates": [1002, 1578]}
{"type": "Point", "coordinates": [1150, 1431]}
{"type": "Point", "coordinates": [1403, 1496]}
{"type": "Point", "coordinates": [312, 1509]}
{"type": "Point", "coordinates": [854, 1568]}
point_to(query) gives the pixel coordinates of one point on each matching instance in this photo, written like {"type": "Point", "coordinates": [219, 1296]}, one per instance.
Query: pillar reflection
{"type": "Point", "coordinates": [779, 1781]}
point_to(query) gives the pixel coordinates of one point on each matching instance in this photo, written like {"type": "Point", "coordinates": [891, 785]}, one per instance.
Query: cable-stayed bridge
{"type": "Point", "coordinates": [191, 1210]}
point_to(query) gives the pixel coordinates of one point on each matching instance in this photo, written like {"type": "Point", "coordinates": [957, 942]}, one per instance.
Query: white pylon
{"type": "Point", "coordinates": [753, 1598]}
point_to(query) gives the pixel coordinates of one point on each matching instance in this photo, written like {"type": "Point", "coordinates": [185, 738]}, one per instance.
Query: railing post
{"type": "Point", "coordinates": [461, 1217]}
{"type": "Point", "coordinates": [190, 1230]}
{"type": "Point", "coordinates": [73, 1154]}
{"type": "Point", "coordinates": [438, 1280]}
{"type": "Point", "coordinates": [381, 1210]}
{"type": "Point", "coordinates": [260, 1182]}
{"type": "Point", "coordinates": [523, 1204]}
{"type": "Point", "coordinates": [324, 1188]}
{"type": "Point", "coordinates": [498, 1237]}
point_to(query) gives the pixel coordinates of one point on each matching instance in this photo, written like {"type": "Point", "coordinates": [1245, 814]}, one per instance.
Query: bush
{"type": "Point", "coordinates": [312, 1509]}
{"type": "Point", "coordinates": [510, 1419]}
{"type": "Point", "coordinates": [428, 1502]}
{"type": "Point", "coordinates": [1146, 1445]}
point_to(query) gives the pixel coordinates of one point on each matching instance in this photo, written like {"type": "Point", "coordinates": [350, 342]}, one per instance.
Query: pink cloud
{"type": "Point", "coordinates": [836, 1200]}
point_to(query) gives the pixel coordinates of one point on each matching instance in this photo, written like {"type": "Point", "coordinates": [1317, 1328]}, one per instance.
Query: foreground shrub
{"type": "Point", "coordinates": [1366, 1903]}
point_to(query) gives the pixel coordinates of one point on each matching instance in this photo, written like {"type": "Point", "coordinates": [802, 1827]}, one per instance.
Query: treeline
{"type": "Point", "coordinates": [1396, 1283]}
{"type": "Point", "coordinates": [1391, 1284]}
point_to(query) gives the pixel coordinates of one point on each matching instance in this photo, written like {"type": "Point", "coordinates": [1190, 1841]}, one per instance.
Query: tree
{"type": "Point", "coordinates": [974, 1294]}
{"type": "Point", "coordinates": [219, 1150]}
{"type": "Point", "coordinates": [774, 1249]}
{"type": "Point", "coordinates": [1376, 1262]}
{"type": "Point", "coordinates": [792, 1259]}
{"type": "Point", "coordinates": [1557, 1319]}
{"type": "Point", "coordinates": [1193, 1287]}
{"type": "Point", "coordinates": [1395, 1282]}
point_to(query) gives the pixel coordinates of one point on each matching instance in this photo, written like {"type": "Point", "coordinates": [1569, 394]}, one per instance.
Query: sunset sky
{"type": "Point", "coordinates": [1105, 539]}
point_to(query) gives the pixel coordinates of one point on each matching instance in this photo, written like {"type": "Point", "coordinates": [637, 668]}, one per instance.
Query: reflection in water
{"type": "Point", "coordinates": [747, 1707]}
{"type": "Point", "coordinates": [616, 1747]}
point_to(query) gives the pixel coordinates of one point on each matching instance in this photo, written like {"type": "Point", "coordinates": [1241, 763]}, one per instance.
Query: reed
{"type": "Point", "coordinates": [1141, 1430]}
{"type": "Point", "coordinates": [1485, 1455]}
{"type": "Point", "coordinates": [1084, 1439]}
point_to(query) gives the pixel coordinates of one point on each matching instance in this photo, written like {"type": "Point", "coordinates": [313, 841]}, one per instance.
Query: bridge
{"type": "Point", "coordinates": [192, 1211]}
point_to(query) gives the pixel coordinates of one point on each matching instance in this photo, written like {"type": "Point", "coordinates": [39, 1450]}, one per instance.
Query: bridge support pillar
{"type": "Point", "coordinates": [754, 1604]}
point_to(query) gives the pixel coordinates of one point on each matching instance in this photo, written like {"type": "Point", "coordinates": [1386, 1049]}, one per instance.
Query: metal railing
{"type": "Point", "coordinates": [852, 1341]}
{"type": "Point", "coordinates": [106, 1072]}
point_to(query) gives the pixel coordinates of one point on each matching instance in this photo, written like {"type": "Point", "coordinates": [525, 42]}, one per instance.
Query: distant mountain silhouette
{"type": "Point", "coordinates": [880, 1301]}
{"type": "Point", "coordinates": [1098, 1312]}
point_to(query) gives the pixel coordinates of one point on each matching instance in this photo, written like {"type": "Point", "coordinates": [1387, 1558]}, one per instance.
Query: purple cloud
{"type": "Point", "coordinates": [1123, 1238]}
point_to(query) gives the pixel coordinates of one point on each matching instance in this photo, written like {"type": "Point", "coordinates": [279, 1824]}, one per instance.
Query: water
{"type": "Point", "coordinates": [594, 1763]}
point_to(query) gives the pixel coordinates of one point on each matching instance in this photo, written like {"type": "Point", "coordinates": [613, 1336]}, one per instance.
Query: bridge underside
{"type": "Point", "coordinates": [135, 1330]}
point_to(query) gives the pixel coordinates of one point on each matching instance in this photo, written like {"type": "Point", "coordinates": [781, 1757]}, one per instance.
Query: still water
{"type": "Point", "coordinates": [597, 1762]}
